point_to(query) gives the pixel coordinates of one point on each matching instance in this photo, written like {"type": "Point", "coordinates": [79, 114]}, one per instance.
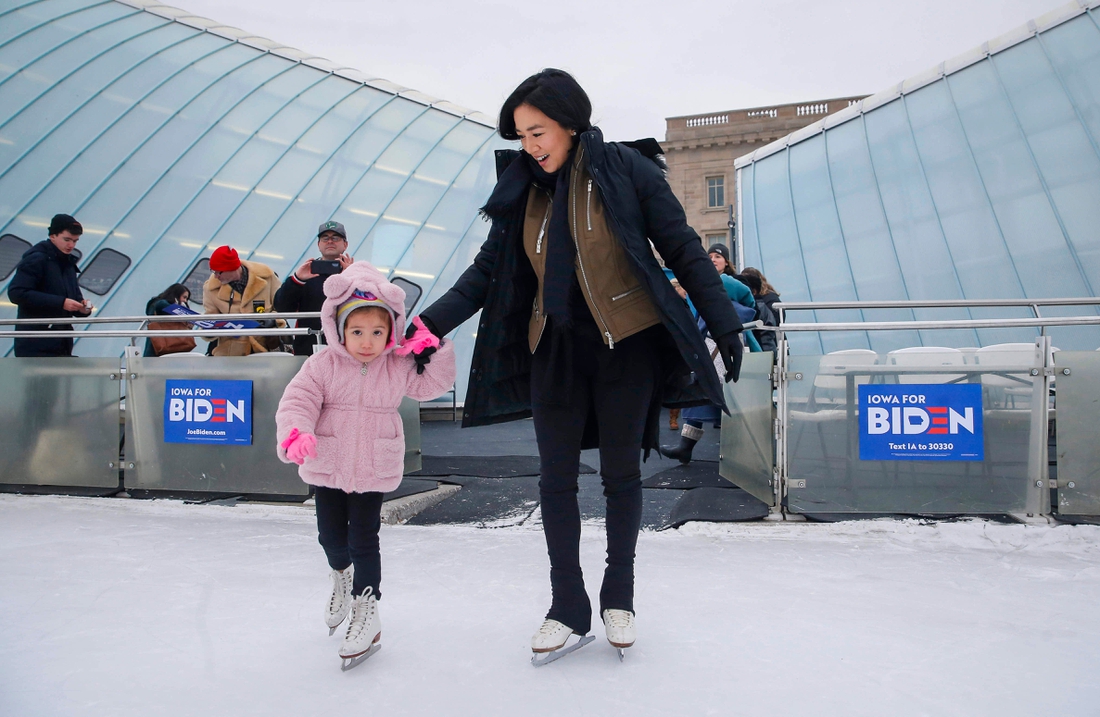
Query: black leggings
{"type": "Point", "coordinates": [347, 528]}
{"type": "Point", "coordinates": [617, 386]}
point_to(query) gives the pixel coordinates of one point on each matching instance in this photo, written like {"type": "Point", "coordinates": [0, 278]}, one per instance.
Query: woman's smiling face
{"type": "Point", "coordinates": [543, 138]}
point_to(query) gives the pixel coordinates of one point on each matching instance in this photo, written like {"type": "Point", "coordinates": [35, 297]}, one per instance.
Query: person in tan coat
{"type": "Point", "coordinates": [238, 287]}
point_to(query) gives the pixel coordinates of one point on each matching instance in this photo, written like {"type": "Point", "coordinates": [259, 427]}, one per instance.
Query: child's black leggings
{"type": "Point", "coordinates": [347, 528]}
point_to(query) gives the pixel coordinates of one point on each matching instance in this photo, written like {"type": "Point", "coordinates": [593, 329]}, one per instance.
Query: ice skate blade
{"type": "Point", "coordinates": [350, 662]}
{"type": "Point", "coordinates": [332, 631]}
{"type": "Point", "coordinates": [548, 657]}
{"type": "Point", "coordinates": [622, 653]}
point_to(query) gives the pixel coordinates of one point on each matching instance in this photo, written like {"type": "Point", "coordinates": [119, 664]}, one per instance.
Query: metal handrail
{"type": "Point", "coordinates": [139, 333]}
{"type": "Point", "coordinates": [935, 304]}
{"type": "Point", "coordinates": [162, 317]}
{"type": "Point", "coordinates": [934, 325]}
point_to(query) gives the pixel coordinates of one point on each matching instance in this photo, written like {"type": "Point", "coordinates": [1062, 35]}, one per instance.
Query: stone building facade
{"type": "Point", "coordinates": [700, 150]}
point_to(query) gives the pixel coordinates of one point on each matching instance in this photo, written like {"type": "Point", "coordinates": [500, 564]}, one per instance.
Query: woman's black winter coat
{"type": "Point", "coordinates": [44, 278]}
{"type": "Point", "coordinates": [640, 208]}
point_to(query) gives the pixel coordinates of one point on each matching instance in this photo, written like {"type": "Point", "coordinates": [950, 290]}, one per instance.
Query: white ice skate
{"type": "Point", "coordinates": [364, 631]}
{"type": "Point", "coordinates": [549, 642]}
{"type": "Point", "coordinates": [339, 603]}
{"type": "Point", "coordinates": [620, 629]}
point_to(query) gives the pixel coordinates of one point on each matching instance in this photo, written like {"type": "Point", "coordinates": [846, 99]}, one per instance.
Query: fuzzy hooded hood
{"type": "Point", "coordinates": [362, 277]}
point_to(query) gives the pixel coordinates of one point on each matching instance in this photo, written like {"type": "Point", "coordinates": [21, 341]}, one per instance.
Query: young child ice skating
{"type": "Point", "coordinates": [338, 421]}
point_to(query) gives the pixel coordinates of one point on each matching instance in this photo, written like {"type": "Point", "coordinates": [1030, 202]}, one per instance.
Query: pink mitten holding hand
{"type": "Point", "coordinates": [420, 340]}
{"type": "Point", "coordinates": [299, 446]}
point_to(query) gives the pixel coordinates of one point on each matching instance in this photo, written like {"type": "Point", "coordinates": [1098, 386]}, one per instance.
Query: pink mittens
{"type": "Point", "coordinates": [422, 339]}
{"type": "Point", "coordinates": [299, 446]}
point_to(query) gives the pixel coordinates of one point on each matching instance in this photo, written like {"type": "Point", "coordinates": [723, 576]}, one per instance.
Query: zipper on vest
{"type": "Point", "coordinates": [580, 262]}
{"type": "Point", "coordinates": [542, 229]}
{"type": "Point", "coordinates": [626, 293]}
{"type": "Point", "coordinates": [588, 206]}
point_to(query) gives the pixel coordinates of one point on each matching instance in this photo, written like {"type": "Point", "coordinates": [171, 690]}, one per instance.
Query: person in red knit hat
{"type": "Point", "coordinates": [238, 287]}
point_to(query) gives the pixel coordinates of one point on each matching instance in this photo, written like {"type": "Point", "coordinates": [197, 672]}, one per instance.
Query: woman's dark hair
{"type": "Point", "coordinates": [172, 294]}
{"type": "Point", "coordinates": [554, 93]}
{"type": "Point", "coordinates": [750, 280]}
{"type": "Point", "coordinates": [765, 287]}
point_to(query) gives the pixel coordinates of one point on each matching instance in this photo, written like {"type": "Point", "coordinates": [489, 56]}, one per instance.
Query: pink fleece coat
{"type": "Point", "coordinates": [350, 406]}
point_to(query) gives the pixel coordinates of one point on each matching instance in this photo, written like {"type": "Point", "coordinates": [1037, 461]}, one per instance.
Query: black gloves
{"type": "Point", "coordinates": [423, 358]}
{"type": "Point", "coordinates": [729, 345]}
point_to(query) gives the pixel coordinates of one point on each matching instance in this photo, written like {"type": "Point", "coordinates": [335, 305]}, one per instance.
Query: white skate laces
{"type": "Point", "coordinates": [551, 636]}
{"type": "Point", "coordinates": [620, 627]}
{"type": "Point", "coordinates": [339, 603]}
{"type": "Point", "coordinates": [364, 627]}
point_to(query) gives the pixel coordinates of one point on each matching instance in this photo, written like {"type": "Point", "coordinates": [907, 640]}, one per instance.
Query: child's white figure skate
{"type": "Point", "coordinates": [339, 603]}
{"type": "Point", "coordinates": [548, 643]}
{"type": "Point", "coordinates": [620, 629]}
{"type": "Point", "coordinates": [364, 630]}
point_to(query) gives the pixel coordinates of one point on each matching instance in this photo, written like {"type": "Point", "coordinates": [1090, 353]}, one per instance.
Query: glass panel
{"type": "Point", "coordinates": [914, 223]}
{"type": "Point", "coordinates": [31, 63]}
{"type": "Point", "coordinates": [781, 257]}
{"type": "Point", "coordinates": [412, 292]}
{"type": "Point", "coordinates": [59, 422]}
{"type": "Point", "coordinates": [824, 465]}
{"type": "Point", "coordinates": [372, 195]}
{"type": "Point", "coordinates": [1078, 404]}
{"type": "Point", "coordinates": [85, 175]}
{"type": "Point", "coordinates": [322, 196]}
{"type": "Point", "coordinates": [66, 143]}
{"type": "Point", "coordinates": [748, 450]}
{"type": "Point", "coordinates": [822, 239]}
{"type": "Point", "coordinates": [99, 276]}
{"type": "Point", "coordinates": [62, 100]}
{"type": "Point", "coordinates": [1062, 149]}
{"type": "Point", "coordinates": [32, 15]}
{"type": "Point", "coordinates": [1025, 216]}
{"type": "Point", "coordinates": [195, 280]}
{"type": "Point", "coordinates": [12, 249]}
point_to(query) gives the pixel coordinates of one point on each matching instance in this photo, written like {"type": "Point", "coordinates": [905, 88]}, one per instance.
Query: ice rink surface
{"type": "Point", "coordinates": [124, 607]}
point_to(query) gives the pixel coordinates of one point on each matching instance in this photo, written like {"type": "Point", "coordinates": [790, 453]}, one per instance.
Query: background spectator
{"type": "Point", "coordinates": [174, 294]}
{"type": "Point", "coordinates": [304, 291]}
{"type": "Point", "coordinates": [238, 287]}
{"type": "Point", "coordinates": [45, 287]}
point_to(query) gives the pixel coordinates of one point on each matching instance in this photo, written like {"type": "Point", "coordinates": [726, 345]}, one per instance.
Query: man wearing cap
{"type": "Point", "coordinates": [238, 287]}
{"type": "Point", "coordinates": [45, 287]}
{"type": "Point", "coordinates": [304, 290]}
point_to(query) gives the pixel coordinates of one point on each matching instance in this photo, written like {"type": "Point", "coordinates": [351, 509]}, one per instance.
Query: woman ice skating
{"type": "Point", "coordinates": [338, 421]}
{"type": "Point", "coordinates": [581, 329]}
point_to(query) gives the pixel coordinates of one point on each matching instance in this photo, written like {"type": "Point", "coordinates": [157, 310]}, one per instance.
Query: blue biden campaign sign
{"type": "Point", "coordinates": [921, 422]}
{"type": "Point", "coordinates": [208, 412]}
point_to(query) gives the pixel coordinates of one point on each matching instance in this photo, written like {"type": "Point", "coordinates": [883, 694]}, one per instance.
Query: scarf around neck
{"type": "Point", "coordinates": [561, 252]}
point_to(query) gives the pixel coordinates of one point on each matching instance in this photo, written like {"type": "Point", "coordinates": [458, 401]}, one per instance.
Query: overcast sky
{"type": "Point", "coordinates": [641, 61]}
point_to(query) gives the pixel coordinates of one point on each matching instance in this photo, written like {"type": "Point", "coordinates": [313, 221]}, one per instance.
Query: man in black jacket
{"type": "Point", "coordinates": [45, 287]}
{"type": "Point", "coordinates": [304, 290]}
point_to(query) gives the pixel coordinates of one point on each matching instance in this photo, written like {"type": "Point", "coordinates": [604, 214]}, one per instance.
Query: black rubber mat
{"type": "Point", "coordinates": [716, 505]}
{"type": "Point", "coordinates": [697, 474]}
{"type": "Point", "coordinates": [411, 486]}
{"type": "Point", "coordinates": [487, 502]}
{"type": "Point", "coordinates": [483, 466]}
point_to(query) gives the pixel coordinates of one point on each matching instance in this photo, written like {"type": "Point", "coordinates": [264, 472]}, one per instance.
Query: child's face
{"type": "Point", "coordinates": [366, 334]}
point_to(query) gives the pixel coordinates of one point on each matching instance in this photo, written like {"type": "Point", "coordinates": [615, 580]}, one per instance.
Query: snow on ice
{"type": "Point", "coordinates": [125, 607]}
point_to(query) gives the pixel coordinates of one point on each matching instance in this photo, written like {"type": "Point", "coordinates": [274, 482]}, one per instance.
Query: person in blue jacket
{"type": "Point", "coordinates": [694, 418]}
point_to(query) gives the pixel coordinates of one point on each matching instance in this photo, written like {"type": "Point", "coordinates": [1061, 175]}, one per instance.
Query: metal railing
{"type": "Point", "coordinates": [143, 320]}
{"type": "Point", "coordinates": [838, 423]}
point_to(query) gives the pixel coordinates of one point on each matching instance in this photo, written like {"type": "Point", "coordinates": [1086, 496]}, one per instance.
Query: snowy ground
{"type": "Point", "coordinates": [124, 607]}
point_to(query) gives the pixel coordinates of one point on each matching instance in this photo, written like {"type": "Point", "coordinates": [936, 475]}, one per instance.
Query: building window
{"type": "Point", "coordinates": [198, 276]}
{"type": "Point", "coordinates": [713, 239]}
{"type": "Point", "coordinates": [412, 292]}
{"type": "Point", "coordinates": [716, 192]}
{"type": "Point", "coordinates": [12, 249]}
{"type": "Point", "coordinates": [104, 270]}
